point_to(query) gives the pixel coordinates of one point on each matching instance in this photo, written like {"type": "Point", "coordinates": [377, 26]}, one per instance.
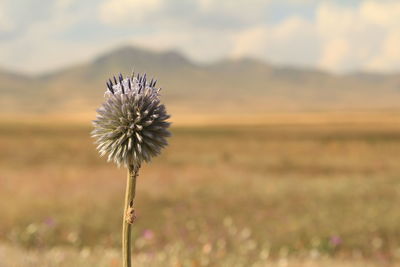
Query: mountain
{"type": "Point", "coordinates": [244, 86]}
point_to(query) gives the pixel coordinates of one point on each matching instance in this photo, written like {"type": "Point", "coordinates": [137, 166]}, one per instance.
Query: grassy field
{"type": "Point", "coordinates": [276, 195]}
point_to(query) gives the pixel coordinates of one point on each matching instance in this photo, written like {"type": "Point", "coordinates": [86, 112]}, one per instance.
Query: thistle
{"type": "Point", "coordinates": [130, 128]}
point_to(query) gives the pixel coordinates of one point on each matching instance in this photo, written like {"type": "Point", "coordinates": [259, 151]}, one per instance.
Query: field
{"type": "Point", "coordinates": [273, 195]}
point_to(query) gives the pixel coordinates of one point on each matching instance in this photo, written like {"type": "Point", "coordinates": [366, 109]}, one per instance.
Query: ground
{"type": "Point", "coordinates": [273, 195]}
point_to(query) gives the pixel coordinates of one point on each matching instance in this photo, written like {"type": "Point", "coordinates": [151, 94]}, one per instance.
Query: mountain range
{"type": "Point", "coordinates": [235, 87]}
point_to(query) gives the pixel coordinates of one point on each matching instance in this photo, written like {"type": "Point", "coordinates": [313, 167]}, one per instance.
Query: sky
{"type": "Point", "coordinates": [340, 36]}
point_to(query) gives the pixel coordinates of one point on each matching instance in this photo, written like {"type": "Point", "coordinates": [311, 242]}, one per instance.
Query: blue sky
{"type": "Point", "coordinates": [338, 36]}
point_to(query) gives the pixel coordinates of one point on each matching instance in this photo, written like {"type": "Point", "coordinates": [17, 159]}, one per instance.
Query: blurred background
{"type": "Point", "coordinates": [286, 132]}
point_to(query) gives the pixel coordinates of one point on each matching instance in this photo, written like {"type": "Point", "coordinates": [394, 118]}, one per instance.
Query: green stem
{"type": "Point", "coordinates": [128, 215]}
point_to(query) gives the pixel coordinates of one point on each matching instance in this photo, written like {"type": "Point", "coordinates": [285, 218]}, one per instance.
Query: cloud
{"type": "Point", "coordinates": [334, 35]}
{"type": "Point", "coordinates": [117, 12]}
{"type": "Point", "coordinates": [293, 40]}
{"type": "Point", "coordinates": [245, 11]}
{"type": "Point", "coordinates": [348, 40]}
{"type": "Point", "coordinates": [385, 13]}
{"type": "Point", "coordinates": [339, 38]}
{"type": "Point", "coordinates": [361, 37]}
{"type": "Point", "coordinates": [200, 45]}
{"type": "Point", "coordinates": [40, 45]}
{"type": "Point", "coordinates": [388, 56]}
{"type": "Point", "coordinates": [336, 54]}
{"type": "Point", "coordinates": [386, 16]}
{"type": "Point", "coordinates": [6, 24]}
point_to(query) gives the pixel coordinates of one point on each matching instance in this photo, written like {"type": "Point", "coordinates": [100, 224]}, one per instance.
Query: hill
{"type": "Point", "coordinates": [244, 86]}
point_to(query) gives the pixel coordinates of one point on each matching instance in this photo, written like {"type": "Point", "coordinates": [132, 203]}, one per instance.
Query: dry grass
{"type": "Point", "coordinates": [243, 196]}
{"type": "Point", "coordinates": [168, 256]}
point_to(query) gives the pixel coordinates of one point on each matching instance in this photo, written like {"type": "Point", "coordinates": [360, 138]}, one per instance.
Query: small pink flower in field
{"type": "Point", "coordinates": [50, 222]}
{"type": "Point", "coordinates": [148, 234]}
{"type": "Point", "coordinates": [335, 240]}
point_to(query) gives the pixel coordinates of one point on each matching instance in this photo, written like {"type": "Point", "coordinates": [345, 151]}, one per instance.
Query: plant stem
{"type": "Point", "coordinates": [128, 217]}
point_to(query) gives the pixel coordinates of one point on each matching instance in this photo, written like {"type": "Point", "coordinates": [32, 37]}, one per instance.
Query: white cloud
{"type": "Point", "coordinates": [40, 47]}
{"type": "Point", "coordinates": [6, 24]}
{"type": "Point", "coordinates": [361, 37]}
{"type": "Point", "coordinates": [388, 57]}
{"type": "Point", "coordinates": [242, 10]}
{"type": "Point", "coordinates": [117, 12]}
{"type": "Point", "coordinates": [385, 13]}
{"type": "Point", "coordinates": [200, 45]}
{"type": "Point", "coordinates": [338, 37]}
{"type": "Point", "coordinates": [293, 40]}
{"type": "Point", "coordinates": [335, 54]}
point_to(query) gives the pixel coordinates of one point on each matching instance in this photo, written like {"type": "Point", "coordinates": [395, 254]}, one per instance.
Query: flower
{"type": "Point", "coordinates": [148, 234]}
{"type": "Point", "coordinates": [131, 124]}
{"type": "Point", "coordinates": [49, 221]}
{"type": "Point", "coordinates": [335, 240]}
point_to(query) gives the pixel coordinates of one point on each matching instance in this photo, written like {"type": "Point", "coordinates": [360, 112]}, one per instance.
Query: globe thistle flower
{"type": "Point", "coordinates": [131, 125]}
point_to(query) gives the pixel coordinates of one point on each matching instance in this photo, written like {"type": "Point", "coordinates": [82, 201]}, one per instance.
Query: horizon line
{"type": "Point", "coordinates": [110, 51]}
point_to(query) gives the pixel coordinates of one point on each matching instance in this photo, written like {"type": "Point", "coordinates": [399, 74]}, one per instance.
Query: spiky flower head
{"type": "Point", "coordinates": [131, 124]}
